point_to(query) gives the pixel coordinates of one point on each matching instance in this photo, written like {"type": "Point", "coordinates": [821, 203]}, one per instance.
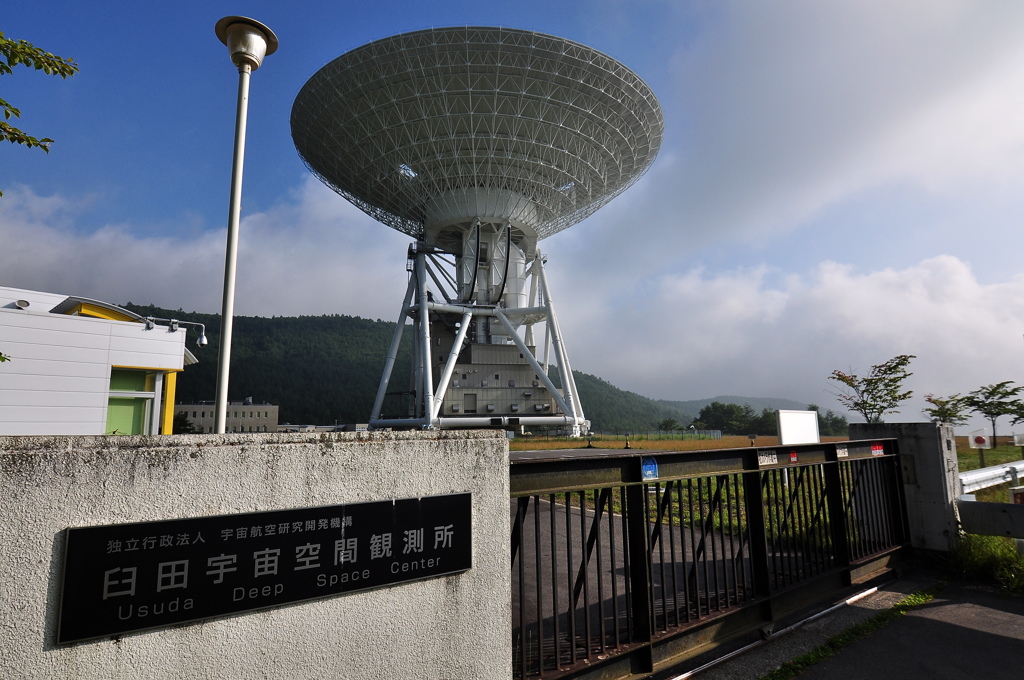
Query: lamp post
{"type": "Point", "coordinates": [248, 42]}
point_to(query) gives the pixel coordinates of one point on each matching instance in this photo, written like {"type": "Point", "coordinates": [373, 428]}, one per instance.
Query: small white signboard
{"type": "Point", "coordinates": [798, 427]}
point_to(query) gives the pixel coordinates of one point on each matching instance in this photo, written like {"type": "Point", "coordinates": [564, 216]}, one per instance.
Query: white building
{"type": "Point", "coordinates": [80, 366]}
{"type": "Point", "coordinates": [242, 416]}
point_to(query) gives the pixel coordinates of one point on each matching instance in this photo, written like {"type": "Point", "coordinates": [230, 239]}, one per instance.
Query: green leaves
{"type": "Point", "coordinates": [14, 52]}
{"type": "Point", "coordinates": [878, 393]}
{"type": "Point", "coordinates": [947, 409]}
{"type": "Point", "coordinates": [17, 52]}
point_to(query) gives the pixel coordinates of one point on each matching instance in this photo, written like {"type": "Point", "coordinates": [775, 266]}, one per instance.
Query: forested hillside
{"type": "Point", "coordinates": [610, 409]}
{"type": "Point", "coordinates": [318, 369]}
{"type": "Point", "coordinates": [322, 369]}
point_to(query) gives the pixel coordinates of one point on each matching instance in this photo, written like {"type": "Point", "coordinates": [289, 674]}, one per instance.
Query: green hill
{"type": "Point", "coordinates": [610, 409]}
{"type": "Point", "coordinates": [326, 369]}
{"type": "Point", "coordinates": [318, 369]}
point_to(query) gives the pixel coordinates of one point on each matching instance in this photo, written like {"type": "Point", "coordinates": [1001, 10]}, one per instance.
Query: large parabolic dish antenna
{"type": "Point", "coordinates": [415, 127]}
{"type": "Point", "coordinates": [478, 142]}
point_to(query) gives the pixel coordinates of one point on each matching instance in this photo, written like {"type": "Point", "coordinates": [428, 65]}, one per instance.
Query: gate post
{"type": "Point", "coordinates": [931, 484]}
{"type": "Point", "coordinates": [639, 565]}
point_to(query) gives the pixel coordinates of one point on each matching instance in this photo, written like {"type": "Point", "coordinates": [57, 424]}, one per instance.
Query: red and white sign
{"type": "Point", "coordinates": [877, 449]}
{"type": "Point", "coordinates": [980, 441]}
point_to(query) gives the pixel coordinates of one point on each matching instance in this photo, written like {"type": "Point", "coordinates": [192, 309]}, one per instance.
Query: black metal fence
{"type": "Point", "coordinates": [623, 564]}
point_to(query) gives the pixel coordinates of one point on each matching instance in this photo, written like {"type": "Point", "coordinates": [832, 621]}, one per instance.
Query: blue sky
{"type": "Point", "coordinates": [839, 183]}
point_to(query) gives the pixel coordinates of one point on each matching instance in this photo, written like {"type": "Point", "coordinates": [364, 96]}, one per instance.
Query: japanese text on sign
{"type": "Point", "coordinates": [130, 577]}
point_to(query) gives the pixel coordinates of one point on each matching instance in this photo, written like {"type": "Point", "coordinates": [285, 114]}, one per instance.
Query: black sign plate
{"type": "Point", "coordinates": [131, 577]}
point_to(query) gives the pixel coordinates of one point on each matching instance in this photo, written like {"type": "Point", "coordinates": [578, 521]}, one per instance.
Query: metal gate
{"type": "Point", "coordinates": [626, 563]}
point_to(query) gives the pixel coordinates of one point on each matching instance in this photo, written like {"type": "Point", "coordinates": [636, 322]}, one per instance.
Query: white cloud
{"type": "Point", "coordinates": [779, 111]}
{"type": "Point", "coordinates": [311, 253]}
{"type": "Point", "coordinates": [750, 332]}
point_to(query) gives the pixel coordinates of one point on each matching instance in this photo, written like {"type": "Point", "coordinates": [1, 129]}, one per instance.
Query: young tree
{"type": "Point", "coordinates": [947, 410]}
{"type": "Point", "coordinates": [14, 52]}
{"type": "Point", "coordinates": [993, 401]}
{"type": "Point", "coordinates": [878, 393]}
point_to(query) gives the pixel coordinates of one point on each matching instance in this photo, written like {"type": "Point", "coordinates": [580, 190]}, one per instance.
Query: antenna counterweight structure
{"type": "Point", "coordinates": [478, 142]}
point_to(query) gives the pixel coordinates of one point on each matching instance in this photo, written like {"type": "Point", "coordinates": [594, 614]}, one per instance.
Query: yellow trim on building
{"type": "Point", "coordinates": [149, 368]}
{"type": "Point", "coordinates": [170, 384]}
{"type": "Point", "coordinates": [98, 312]}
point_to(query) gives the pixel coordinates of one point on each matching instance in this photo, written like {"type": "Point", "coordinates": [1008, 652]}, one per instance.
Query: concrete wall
{"type": "Point", "coordinates": [448, 627]}
{"type": "Point", "coordinates": [931, 481]}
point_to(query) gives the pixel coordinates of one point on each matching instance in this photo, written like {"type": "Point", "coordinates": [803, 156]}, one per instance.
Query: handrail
{"type": "Point", "coordinates": [973, 480]}
{"type": "Point", "coordinates": [586, 468]}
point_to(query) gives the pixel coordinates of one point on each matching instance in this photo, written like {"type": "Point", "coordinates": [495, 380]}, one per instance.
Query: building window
{"type": "Point", "coordinates": [132, 401]}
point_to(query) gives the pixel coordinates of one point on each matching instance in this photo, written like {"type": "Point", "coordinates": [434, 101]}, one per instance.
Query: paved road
{"type": "Point", "coordinates": [965, 632]}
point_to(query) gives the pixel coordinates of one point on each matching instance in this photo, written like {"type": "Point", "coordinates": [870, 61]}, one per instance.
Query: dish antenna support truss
{"type": "Point", "coordinates": [478, 142]}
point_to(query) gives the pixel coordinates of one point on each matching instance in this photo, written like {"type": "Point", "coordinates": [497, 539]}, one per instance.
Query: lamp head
{"type": "Point", "coordinates": [248, 40]}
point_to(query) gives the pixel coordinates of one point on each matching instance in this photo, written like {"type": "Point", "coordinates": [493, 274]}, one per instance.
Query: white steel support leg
{"type": "Point", "coordinates": [532, 300]}
{"type": "Point", "coordinates": [389, 364]}
{"type": "Point", "coordinates": [449, 368]}
{"type": "Point", "coordinates": [562, 403]}
{"type": "Point", "coordinates": [564, 368]}
{"type": "Point", "coordinates": [425, 391]}
{"type": "Point", "coordinates": [416, 405]}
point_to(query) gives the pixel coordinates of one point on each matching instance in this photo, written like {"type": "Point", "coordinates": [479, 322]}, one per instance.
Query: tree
{"type": "Point", "coordinates": [830, 424]}
{"type": "Point", "coordinates": [766, 423]}
{"type": "Point", "coordinates": [878, 393]}
{"type": "Point", "coordinates": [182, 425]}
{"type": "Point", "coordinates": [16, 52]}
{"type": "Point", "coordinates": [947, 410]}
{"type": "Point", "coordinates": [668, 425]}
{"type": "Point", "coordinates": [729, 418]}
{"type": "Point", "coordinates": [993, 401]}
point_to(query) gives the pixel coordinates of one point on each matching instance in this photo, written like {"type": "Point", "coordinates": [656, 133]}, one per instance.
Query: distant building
{"type": "Point", "coordinates": [85, 367]}
{"type": "Point", "coordinates": [243, 416]}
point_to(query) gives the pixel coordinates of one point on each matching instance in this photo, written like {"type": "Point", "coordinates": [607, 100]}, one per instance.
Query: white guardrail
{"type": "Point", "coordinates": [972, 480]}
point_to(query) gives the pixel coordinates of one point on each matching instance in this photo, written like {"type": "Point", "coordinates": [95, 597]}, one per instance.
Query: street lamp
{"type": "Point", "coordinates": [248, 42]}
